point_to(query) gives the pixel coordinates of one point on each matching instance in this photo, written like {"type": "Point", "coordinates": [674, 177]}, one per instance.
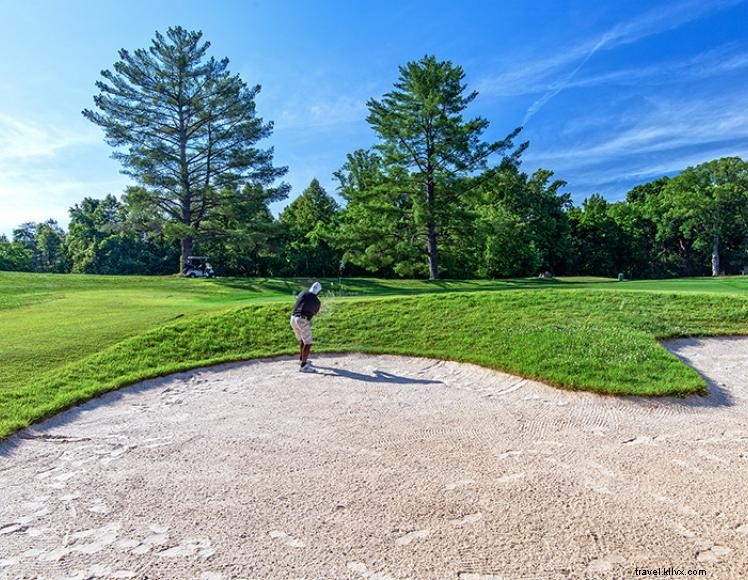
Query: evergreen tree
{"type": "Point", "coordinates": [377, 229]}
{"type": "Point", "coordinates": [242, 238]}
{"type": "Point", "coordinates": [185, 129]}
{"type": "Point", "coordinates": [310, 222]}
{"type": "Point", "coordinates": [425, 144]}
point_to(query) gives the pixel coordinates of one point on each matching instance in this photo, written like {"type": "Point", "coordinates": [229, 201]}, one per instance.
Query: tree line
{"type": "Point", "coordinates": [432, 198]}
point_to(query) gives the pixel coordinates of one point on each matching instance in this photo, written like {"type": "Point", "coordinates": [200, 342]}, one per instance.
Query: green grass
{"type": "Point", "coordinates": [66, 338]}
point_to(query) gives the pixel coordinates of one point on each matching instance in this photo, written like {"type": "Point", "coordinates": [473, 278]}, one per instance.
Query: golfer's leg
{"type": "Point", "coordinates": [301, 350]}
{"type": "Point", "coordinates": [305, 353]}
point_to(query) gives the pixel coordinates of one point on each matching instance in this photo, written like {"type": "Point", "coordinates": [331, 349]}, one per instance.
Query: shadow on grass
{"type": "Point", "coordinates": [362, 287]}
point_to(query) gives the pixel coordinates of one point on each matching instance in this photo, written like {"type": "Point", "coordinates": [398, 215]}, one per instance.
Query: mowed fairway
{"type": "Point", "coordinates": [66, 338]}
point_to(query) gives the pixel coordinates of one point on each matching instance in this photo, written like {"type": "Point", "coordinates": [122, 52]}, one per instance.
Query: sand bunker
{"type": "Point", "coordinates": [382, 467]}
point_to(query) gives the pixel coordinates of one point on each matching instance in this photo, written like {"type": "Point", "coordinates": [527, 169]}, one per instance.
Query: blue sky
{"type": "Point", "coordinates": [610, 93]}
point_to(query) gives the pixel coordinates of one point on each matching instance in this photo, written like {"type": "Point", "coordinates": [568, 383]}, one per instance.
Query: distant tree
{"type": "Point", "coordinates": [710, 201]}
{"type": "Point", "coordinates": [241, 237]}
{"type": "Point", "coordinates": [378, 232]}
{"type": "Point", "coordinates": [650, 251]}
{"type": "Point", "coordinates": [185, 129]}
{"type": "Point", "coordinates": [25, 234]}
{"type": "Point", "coordinates": [47, 244]}
{"type": "Point", "coordinates": [534, 207]}
{"type": "Point", "coordinates": [50, 245]}
{"type": "Point", "coordinates": [310, 222]}
{"type": "Point", "coordinates": [426, 144]}
{"type": "Point", "coordinates": [92, 222]}
{"type": "Point", "coordinates": [597, 238]}
{"type": "Point", "coordinates": [15, 257]}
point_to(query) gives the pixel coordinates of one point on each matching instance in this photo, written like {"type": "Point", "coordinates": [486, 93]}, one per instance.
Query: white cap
{"type": "Point", "coordinates": [316, 288]}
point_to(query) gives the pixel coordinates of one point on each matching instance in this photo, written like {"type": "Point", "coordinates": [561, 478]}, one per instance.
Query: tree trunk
{"type": "Point", "coordinates": [431, 245]}
{"type": "Point", "coordinates": [433, 253]}
{"type": "Point", "coordinates": [715, 256]}
{"type": "Point", "coordinates": [186, 251]}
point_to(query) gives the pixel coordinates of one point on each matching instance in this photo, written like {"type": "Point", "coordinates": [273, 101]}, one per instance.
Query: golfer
{"type": "Point", "coordinates": [307, 305]}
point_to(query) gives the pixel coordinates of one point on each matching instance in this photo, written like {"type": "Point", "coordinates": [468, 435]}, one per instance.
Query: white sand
{"type": "Point", "coordinates": [382, 467]}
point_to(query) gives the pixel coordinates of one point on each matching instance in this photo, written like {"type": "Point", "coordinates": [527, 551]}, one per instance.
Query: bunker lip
{"type": "Point", "coordinates": [385, 467]}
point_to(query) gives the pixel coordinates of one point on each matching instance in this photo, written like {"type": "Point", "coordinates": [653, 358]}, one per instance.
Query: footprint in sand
{"type": "Point", "coordinates": [99, 507]}
{"type": "Point", "coordinates": [511, 477]}
{"type": "Point", "coordinates": [709, 456]}
{"type": "Point", "coordinates": [678, 506]}
{"type": "Point", "coordinates": [459, 483]}
{"type": "Point", "coordinates": [14, 528]}
{"type": "Point", "coordinates": [285, 539]}
{"type": "Point", "coordinates": [115, 453]}
{"type": "Point", "coordinates": [468, 519]}
{"type": "Point", "coordinates": [60, 481]}
{"type": "Point", "coordinates": [47, 473]}
{"type": "Point", "coordinates": [157, 538]}
{"type": "Point", "coordinates": [604, 564]}
{"type": "Point", "coordinates": [508, 453]}
{"type": "Point", "coordinates": [713, 554]}
{"type": "Point", "coordinates": [86, 542]}
{"type": "Point", "coordinates": [412, 536]}
{"type": "Point", "coordinates": [154, 442]}
{"type": "Point", "coordinates": [640, 440]}
{"type": "Point", "coordinates": [200, 547]}
{"type": "Point", "coordinates": [687, 466]}
{"type": "Point", "coordinates": [362, 570]}
{"type": "Point", "coordinates": [742, 529]}
{"type": "Point", "coordinates": [37, 504]}
{"type": "Point", "coordinates": [680, 530]}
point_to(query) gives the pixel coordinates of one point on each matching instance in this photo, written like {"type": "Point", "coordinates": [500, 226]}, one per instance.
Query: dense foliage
{"type": "Point", "coordinates": [185, 129]}
{"type": "Point", "coordinates": [431, 198]}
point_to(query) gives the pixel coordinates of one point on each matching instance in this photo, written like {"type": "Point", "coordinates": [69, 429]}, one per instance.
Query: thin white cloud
{"type": "Point", "coordinates": [21, 140]}
{"type": "Point", "coordinates": [546, 74]}
{"type": "Point", "coordinates": [45, 194]}
{"type": "Point", "coordinates": [645, 169]}
{"type": "Point", "coordinates": [320, 113]}
{"type": "Point", "coordinates": [705, 65]}
{"type": "Point", "coordinates": [652, 22]}
{"type": "Point", "coordinates": [40, 171]}
{"type": "Point", "coordinates": [663, 137]}
{"type": "Point", "coordinates": [667, 125]}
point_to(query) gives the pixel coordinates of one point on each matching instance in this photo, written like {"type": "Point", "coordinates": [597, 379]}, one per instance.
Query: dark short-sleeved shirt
{"type": "Point", "coordinates": [307, 304]}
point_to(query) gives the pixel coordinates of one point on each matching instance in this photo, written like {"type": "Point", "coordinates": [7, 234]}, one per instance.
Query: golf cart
{"type": "Point", "coordinates": [198, 267]}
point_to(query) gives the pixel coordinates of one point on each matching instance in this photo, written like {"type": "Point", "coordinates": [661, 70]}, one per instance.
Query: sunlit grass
{"type": "Point", "coordinates": [65, 338]}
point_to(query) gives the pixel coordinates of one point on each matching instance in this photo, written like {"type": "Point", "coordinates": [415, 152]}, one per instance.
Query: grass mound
{"type": "Point", "coordinates": [599, 340]}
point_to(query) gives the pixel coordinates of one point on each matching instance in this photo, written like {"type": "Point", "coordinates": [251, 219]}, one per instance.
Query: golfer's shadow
{"type": "Point", "coordinates": [377, 376]}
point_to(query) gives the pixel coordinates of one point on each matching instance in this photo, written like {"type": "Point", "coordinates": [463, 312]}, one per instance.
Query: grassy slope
{"type": "Point", "coordinates": [59, 337]}
{"type": "Point", "coordinates": [589, 336]}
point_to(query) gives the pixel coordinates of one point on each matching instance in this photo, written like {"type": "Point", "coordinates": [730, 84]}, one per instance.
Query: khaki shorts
{"type": "Point", "coordinates": [302, 328]}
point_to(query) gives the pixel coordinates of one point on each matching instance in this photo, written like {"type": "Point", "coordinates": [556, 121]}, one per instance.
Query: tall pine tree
{"type": "Point", "coordinates": [422, 132]}
{"type": "Point", "coordinates": [185, 129]}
